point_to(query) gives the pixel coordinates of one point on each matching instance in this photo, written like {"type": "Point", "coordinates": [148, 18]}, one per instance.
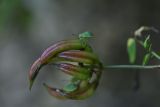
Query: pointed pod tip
{"type": "Point", "coordinates": [34, 72]}
{"type": "Point", "coordinates": [30, 84]}
{"type": "Point", "coordinates": [57, 93]}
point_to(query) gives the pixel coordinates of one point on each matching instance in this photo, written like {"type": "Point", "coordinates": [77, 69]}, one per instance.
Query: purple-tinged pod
{"type": "Point", "coordinates": [85, 90]}
{"type": "Point", "coordinates": [34, 71]}
{"type": "Point", "coordinates": [52, 47]}
{"type": "Point", "coordinates": [85, 94]}
{"type": "Point", "coordinates": [59, 47]}
{"type": "Point", "coordinates": [80, 56]}
{"type": "Point", "coordinates": [58, 93]}
{"type": "Point", "coordinates": [86, 87]}
{"type": "Point", "coordinates": [74, 70]}
{"type": "Point", "coordinates": [61, 94]}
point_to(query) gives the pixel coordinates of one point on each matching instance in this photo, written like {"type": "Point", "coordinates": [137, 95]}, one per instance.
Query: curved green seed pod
{"type": "Point", "coordinates": [80, 56]}
{"type": "Point", "coordinates": [49, 49]}
{"type": "Point", "coordinates": [59, 47]}
{"type": "Point", "coordinates": [51, 52]}
{"type": "Point", "coordinates": [83, 90]}
{"type": "Point", "coordinates": [86, 87]}
{"type": "Point", "coordinates": [76, 71]}
{"type": "Point", "coordinates": [58, 93]}
{"type": "Point", "coordinates": [83, 87]}
{"type": "Point", "coordinates": [34, 71]}
{"type": "Point", "coordinates": [87, 93]}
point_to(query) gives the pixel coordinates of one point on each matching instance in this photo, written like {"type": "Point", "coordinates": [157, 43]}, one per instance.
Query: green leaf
{"type": "Point", "coordinates": [147, 43]}
{"type": "Point", "coordinates": [131, 48]}
{"type": "Point", "coordinates": [70, 87]}
{"type": "Point", "coordinates": [146, 59]}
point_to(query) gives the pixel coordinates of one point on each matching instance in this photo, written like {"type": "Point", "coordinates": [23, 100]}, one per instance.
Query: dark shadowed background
{"type": "Point", "coordinates": [28, 27]}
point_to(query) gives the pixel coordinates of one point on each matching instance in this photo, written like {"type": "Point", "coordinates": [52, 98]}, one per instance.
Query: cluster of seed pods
{"type": "Point", "coordinates": [75, 59]}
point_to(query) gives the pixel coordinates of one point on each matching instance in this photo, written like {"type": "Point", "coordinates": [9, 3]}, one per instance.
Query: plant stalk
{"type": "Point", "coordinates": [132, 67]}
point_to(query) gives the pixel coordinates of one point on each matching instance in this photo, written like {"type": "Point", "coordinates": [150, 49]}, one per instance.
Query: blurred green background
{"type": "Point", "coordinates": [28, 27]}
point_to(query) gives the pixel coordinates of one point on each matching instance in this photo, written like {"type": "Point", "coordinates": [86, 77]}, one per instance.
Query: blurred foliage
{"type": "Point", "coordinates": [14, 13]}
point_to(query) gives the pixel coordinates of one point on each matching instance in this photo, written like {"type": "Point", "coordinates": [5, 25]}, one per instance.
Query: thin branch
{"type": "Point", "coordinates": [155, 54]}
{"type": "Point", "coordinates": [132, 67]}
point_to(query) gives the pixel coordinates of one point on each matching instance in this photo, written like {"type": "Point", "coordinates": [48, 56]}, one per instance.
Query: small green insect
{"type": "Point", "coordinates": [70, 87]}
{"type": "Point", "coordinates": [83, 37]}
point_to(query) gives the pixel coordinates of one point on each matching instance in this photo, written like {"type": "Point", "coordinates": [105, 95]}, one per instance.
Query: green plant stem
{"type": "Point", "coordinates": [132, 67]}
{"type": "Point", "coordinates": [155, 54]}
